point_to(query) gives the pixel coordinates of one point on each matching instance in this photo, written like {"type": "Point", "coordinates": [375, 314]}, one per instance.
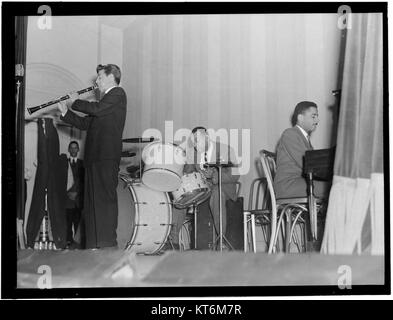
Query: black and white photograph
{"type": "Point", "coordinates": [195, 149]}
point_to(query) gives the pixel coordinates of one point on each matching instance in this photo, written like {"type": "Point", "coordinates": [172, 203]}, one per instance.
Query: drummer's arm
{"type": "Point", "coordinates": [188, 168]}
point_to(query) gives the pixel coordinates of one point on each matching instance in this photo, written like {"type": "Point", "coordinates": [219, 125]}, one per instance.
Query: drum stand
{"type": "Point", "coordinates": [194, 207]}
{"type": "Point", "coordinates": [221, 236]}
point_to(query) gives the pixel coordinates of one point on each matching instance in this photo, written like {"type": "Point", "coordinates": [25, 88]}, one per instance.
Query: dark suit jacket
{"type": "Point", "coordinates": [78, 175]}
{"type": "Point", "coordinates": [290, 152]}
{"type": "Point", "coordinates": [104, 125]}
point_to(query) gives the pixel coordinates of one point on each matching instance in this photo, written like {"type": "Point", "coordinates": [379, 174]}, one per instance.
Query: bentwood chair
{"type": "Point", "coordinates": [256, 214]}
{"type": "Point", "coordinates": [261, 213]}
{"type": "Point", "coordinates": [293, 209]}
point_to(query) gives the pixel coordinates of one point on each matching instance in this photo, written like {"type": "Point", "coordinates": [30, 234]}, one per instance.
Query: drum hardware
{"type": "Point", "coordinates": [127, 154]}
{"type": "Point", "coordinates": [135, 171]}
{"type": "Point", "coordinates": [137, 174]}
{"type": "Point", "coordinates": [219, 165]}
{"type": "Point", "coordinates": [127, 184]}
{"type": "Point", "coordinates": [195, 211]}
{"type": "Point", "coordinates": [141, 224]}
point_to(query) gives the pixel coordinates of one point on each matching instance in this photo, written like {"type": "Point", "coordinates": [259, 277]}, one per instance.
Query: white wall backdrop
{"type": "Point", "coordinates": [219, 71]}
{"type": "Point", "coordinates": [230, 71]}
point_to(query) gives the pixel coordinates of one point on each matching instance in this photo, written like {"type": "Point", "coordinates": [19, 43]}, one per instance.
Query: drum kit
{"type": "Point", "coordinates": [148, 193]}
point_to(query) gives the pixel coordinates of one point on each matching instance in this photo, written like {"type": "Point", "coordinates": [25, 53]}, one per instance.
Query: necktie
{"type": "Point", "coordinates": [309, 142]}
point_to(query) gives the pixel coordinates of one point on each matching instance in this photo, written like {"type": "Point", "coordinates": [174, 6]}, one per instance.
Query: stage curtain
{"type": "Point", "coordinates": [355, 217]}
{"type": "Point", "coordinates": [20, 58]}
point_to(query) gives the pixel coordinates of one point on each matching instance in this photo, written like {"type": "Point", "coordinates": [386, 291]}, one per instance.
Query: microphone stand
{"type": "Point", "coordinates": [18, 83]}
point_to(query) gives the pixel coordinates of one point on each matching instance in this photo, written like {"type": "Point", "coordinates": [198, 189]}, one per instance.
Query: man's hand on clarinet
{"type": "Point", "coordinates": [73, 96]}
{"type": "Point", "coordinates": [62, 106]}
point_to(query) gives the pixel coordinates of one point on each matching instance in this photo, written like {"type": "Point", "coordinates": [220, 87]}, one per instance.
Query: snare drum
{"type": "Point", "coordinates": [163, 166]}
{"type": "Point", "coordinates": [145, 217]}
{"type": "Point", "coordinates": [193, 189]}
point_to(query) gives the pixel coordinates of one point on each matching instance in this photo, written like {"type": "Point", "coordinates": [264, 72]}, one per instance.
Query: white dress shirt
{"type": "Point", "coordinates": [307, 136]}
{"type": "Point", "coordinates": [70, 177]}
{"type": "Point", "coordinates": [206, 156]}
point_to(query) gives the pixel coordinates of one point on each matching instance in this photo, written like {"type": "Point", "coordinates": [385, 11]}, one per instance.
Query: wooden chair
{"type": "Point", "coordinates": [257, 214]}
{"type": "Point", "coordinates": [292, 208]}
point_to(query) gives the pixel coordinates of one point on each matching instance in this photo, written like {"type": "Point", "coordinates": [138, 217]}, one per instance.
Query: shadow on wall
{"type": "Point", "coordinates": [335, 107]}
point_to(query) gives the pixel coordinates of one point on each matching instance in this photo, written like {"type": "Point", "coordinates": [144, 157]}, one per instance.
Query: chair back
{"type": "Point", "coordinates": [258, 193]}
{"type": "Point", "coordinates": [238, 188]}
{"type": "Point", "coordinates": [268, 160]}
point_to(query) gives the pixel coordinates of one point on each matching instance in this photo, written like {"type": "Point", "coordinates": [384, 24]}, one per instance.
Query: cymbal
{"type": "Point", "coordinates": [128, 154]}
{"type": "Point", "coordinates": [221, 164]}
{"type": "Point", "coordinates": [139, 140]}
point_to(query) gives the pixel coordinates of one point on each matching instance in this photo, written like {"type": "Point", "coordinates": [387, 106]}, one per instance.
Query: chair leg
{"type": "Point", "coordinates": [245, 231]}
{"type": "Point", "coordinates": [288, 234]}
{"type": "Point", "coordinates": [296, 238]}
{"type": "Point", "coordinates": [280, 227]}
{"type": "Point", "coordinates": [282, 234]}
{"type": "Point", "coordinates": [254, 244]}
{"type": "Point", "coordinates": [263, 228]}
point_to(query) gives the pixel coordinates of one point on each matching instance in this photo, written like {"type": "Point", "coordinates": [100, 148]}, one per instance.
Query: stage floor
{"type": "Point", "coordinates": [117, 268]}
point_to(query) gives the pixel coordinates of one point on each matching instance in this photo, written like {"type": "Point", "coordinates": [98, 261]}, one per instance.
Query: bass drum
{"type": "Point", "coordinates": [145, 217]}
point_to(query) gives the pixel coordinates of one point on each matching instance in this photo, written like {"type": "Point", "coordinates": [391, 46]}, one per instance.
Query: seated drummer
{"type": "Point", "coordinates": [201, 149]}
{"type": "Point", "coordinates": [289, 181]}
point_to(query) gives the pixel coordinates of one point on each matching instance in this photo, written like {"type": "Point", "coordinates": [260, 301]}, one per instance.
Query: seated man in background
{"type": "Point", "coordinates": [289, 181]}
{"type": "Point", "coordinates": [200, 149]}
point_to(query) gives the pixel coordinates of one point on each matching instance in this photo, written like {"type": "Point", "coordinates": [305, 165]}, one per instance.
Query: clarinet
{"type": "Point", "coordinates": [47, 104]}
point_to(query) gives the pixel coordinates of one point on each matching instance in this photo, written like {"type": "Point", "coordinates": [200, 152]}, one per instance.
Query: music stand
{"type": "Point", "coordinates": [219, 166]}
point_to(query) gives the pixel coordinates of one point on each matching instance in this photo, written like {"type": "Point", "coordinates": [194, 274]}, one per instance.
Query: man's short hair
{"type": "Point", "coordinates": [110, 69]}
{"type": "Point", "coordinates": [198, 128]}
{"type": "Point", "coordinates": [73, 141]}
{"type": "Point", "coordinates": [300, 108]}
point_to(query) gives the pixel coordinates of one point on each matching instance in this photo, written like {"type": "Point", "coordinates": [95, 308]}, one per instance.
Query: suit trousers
{"type": "Point", "coordinates": [100, 210]}
{"type": "Point", "coordinates": [298, 188]}
{"type": "Point", "coordinates": [73, 216]}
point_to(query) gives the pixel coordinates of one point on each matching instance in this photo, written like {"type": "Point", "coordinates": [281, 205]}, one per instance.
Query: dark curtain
{"type": "Point", "coordinates": [50, 179]}
{"type": "Point", "coordinates": [355, 217]}
{"type": "Point", "coordinates": [20, 58]}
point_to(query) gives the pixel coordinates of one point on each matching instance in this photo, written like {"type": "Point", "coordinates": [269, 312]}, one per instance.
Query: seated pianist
{"type": "Point", "coordinates": [289, 181]}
